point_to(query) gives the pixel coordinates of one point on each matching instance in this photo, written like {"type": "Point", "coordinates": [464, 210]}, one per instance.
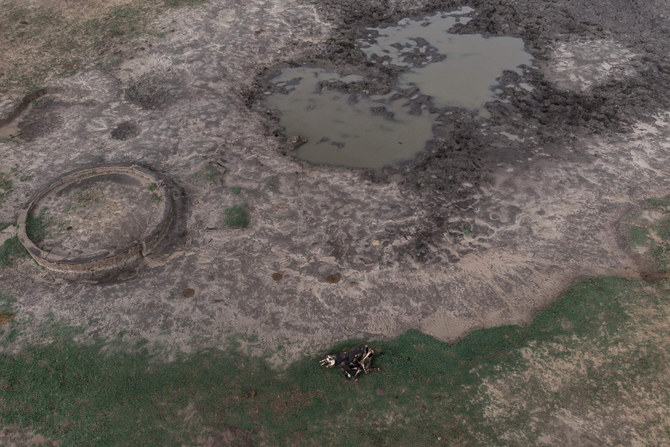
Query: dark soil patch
{"type": "Point", "coordinates": [188, 293]}
{"type": "Point", "coordinates": [5, 318]}
{"type": "Point", "coordinates": [154, 91]}
{"type": "Point", "coordinates": [43, 119]}
{"type": "Point", "coordinates": [125, 131]}
{"type": "Point", "coordinates": [334, 278]}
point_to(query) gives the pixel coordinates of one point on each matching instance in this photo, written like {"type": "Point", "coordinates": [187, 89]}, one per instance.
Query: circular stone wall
{"type": "Point", "coordinates": [96, 221]}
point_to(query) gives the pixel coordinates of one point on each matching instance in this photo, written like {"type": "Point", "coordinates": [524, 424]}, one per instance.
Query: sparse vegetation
{"type": "Point", "coordinates": [638, 235]}
{"type": "Point", "coordinates": [86, 198]}
{"type": "Point", "coordinates": [659, 203]}
{"type": "Point", "coordinates": [37, 225]}
{"type": "Point", "coordinates": [604, 345]}
{"type": "Point", "coordinates": [11, 250]}
{"type": "Point", "coordinates": [152, 188]}
{"type": "Point", "coordinates": [207, 176]}
{"type": "Point", "coordinates": [39, 39]}
{"type": "Point", "coordinates": [236, 190]}
{"type": "Point", "coordinates": [236, 216]}
{"type": "Point", "coordinates": [6, 186]}
{"type": "Point", "coordinates": [649, 233]}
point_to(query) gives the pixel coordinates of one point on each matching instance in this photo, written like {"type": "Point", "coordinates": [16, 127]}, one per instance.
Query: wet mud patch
{"type": "Point", "coordinates": [41, 119]}
{"type": "Point", "coordinates": [125, 130]}
{"type": "Point", "coordinates": [13, 118]}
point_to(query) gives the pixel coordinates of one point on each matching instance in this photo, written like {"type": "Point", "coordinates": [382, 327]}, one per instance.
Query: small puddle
{"type": "Point", "coordinates": [367, 131]}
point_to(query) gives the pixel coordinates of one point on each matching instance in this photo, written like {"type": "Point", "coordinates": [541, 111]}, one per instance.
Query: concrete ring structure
{"type": "Point", "coordinates": [109, 263]}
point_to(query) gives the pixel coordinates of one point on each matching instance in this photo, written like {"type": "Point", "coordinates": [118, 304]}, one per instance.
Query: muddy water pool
{"type": "Point", "coordinates": [372, 131]}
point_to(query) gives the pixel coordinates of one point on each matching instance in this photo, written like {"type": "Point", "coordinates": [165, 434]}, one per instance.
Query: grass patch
{"type": "Point", "coordinates": [427, 392]}
{"type": "Point", "coordinates": [38, 226]}
{"type": "Point", "coordinates": [236, 216]}
{"type": "Point", "coordinates": [6, 186]}
{"type": "Point", "coordinates": [637, 235]}
{"type": "Point", "coordinates": [236, 190]}
{"type": "Point", "coordinates": [10, 251]}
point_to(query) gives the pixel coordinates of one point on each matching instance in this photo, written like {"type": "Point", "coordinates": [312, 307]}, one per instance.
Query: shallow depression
{"type": "Point", "coordinates": [364, 131]}
{"type": "Point", "coordinates": [97, 216]}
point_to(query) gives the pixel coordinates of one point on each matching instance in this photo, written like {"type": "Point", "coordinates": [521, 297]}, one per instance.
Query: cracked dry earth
{"type": "Point", "coordinates": [485, 228]}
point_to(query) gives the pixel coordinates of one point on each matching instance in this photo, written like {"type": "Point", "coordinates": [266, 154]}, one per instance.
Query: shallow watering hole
{"type": "Point", "coordinates": [372, 131]}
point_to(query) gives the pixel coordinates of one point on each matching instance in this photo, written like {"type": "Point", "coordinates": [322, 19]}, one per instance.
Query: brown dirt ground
{"type": "Point", "coordinates": [331, 254]}
{"type": "Point", "coordinates": [533, 204]}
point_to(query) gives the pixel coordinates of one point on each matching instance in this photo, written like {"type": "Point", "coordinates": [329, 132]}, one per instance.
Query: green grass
{"type": "Point", "coordinates": [7, 303]}
{"type": "Point", "coordinates": [11, 250]}
{"type": "Point", "coordinates": [236, 190]}
{"type": "Point", "coordinates": [6, 186]}
{"type": "Point", "coordinates": [152, 187]}
{"type": "Point", "coordinates": [38, 225]}
{"type": "Point", "coordinates": [638, 235]}
{"type": "Point", "coordinates": [97, 394]}
{"type": "Point", "coordinates": [236, 216]}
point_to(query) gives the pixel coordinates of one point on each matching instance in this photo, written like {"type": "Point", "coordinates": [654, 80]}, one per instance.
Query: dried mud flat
{"type": "Point", "coordinates": [484, 229]}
